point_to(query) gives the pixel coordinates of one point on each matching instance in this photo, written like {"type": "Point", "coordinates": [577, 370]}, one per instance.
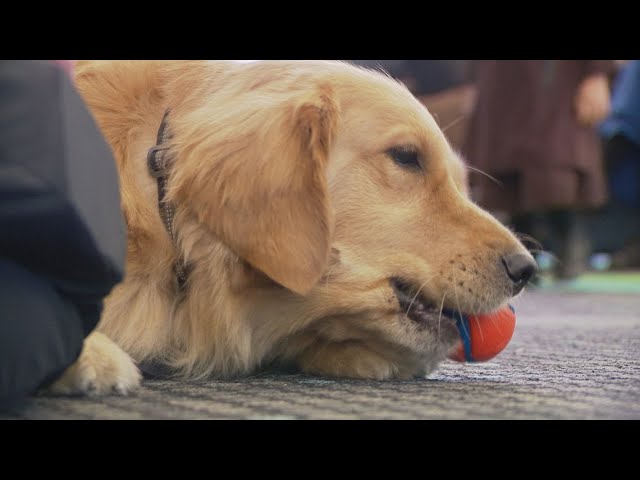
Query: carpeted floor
{"type": "Point", "coordinates": [573, 356]}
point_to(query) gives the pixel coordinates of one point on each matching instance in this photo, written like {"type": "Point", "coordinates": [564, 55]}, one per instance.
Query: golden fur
{"type": "Point", "coordinates": [293, 217]}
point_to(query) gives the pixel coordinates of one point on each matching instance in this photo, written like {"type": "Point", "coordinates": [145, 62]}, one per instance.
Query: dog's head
{"type": "Point", "coordinates": [339, 190]}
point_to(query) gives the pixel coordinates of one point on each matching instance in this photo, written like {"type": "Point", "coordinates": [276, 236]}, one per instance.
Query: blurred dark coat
{"type": "Point", "coordinates": [62, 233]}
{"type": "Point", "coordinates": [60, 213]}
{"type": "Point", "coordinates": [525, 133]}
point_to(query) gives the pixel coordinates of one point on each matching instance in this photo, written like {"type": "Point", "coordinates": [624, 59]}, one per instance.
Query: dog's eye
{"type": "Point", "coordinates": [407, 157]}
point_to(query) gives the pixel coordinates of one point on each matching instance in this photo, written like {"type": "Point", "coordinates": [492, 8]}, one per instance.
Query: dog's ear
{"type": "Point", "coordinates": [253, 168]}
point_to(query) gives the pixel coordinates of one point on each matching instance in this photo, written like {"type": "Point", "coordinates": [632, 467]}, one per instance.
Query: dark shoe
{"type": "Point", "coordinates": [628, 256]}
{"type": "Point", "coordinates": [574, 246]}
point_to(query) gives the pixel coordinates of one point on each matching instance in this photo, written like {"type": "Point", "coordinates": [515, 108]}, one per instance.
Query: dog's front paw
{"type": "Point", "coordinates": [102, 368]}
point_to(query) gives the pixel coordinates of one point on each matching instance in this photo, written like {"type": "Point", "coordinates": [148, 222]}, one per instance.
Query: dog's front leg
{"type": "Point", "coordinates": [102, 368]}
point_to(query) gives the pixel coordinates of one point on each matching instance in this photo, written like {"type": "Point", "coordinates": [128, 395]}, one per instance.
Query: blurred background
{"type": "Point", "coordinates": [553, 148]}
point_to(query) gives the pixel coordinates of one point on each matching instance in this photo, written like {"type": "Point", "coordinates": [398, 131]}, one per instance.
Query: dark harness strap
{"type": "Point", "coordinates": [158, 162]}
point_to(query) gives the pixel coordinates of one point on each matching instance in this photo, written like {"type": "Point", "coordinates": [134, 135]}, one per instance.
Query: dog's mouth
{"type": "Point", "coordinates": [416, 306]}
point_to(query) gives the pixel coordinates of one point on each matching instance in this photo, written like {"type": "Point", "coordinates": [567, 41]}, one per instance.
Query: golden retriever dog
{"type": "Point", "coordinates": [321, 216]}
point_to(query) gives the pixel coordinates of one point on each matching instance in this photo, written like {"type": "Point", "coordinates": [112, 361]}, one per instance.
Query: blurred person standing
{"type": "Point", "coordinates": [621, 134]}
{"type": "Point", "coordinates": [533, 129]}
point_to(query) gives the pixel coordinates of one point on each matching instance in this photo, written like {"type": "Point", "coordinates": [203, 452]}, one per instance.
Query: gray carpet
{"type": "Point", "coordinates": [573, 356]}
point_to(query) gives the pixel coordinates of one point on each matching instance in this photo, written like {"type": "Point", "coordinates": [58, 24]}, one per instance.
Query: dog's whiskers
{"type": "Point", "coordinates": [440, 315]}
{"type": "Point", "coordinates": [492, 316]}
{"type": "Point", "coordinates": [454, 122]}
{"type": "Point", "coordinates": [497, 182]}
{"type": "Point", "coordinates": [523, 237]}
{"type": "Point", "coordinates": [406, 314]}
{"type": "Point", "coordinates": [475, 317]}
{"type": "Point", "coordinates": [455, 291]}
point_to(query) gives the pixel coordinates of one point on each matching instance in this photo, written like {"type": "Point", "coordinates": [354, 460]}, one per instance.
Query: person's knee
{"type": "Point", "coordinates": [41, 332]}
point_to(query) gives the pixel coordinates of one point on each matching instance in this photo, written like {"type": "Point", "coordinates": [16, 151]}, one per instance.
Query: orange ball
{"type": "Point", "coordinates": [482, 337]}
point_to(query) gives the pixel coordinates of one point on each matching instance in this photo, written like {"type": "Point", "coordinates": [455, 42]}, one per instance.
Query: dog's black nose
{"type": "Point", "coordinates": [520, 268]}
